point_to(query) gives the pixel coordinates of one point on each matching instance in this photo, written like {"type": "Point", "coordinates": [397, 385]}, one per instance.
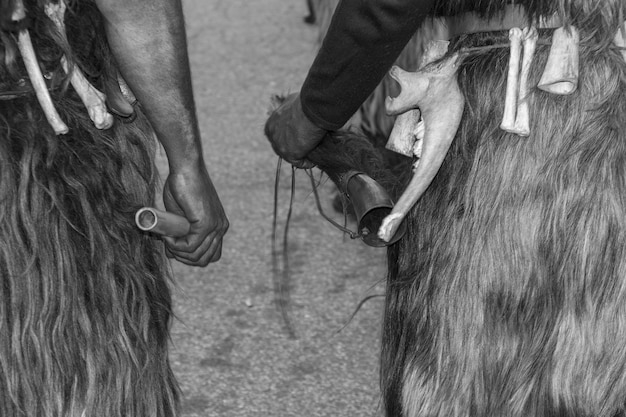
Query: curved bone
{"type": "Point", "coordinates": [560, 75]}
{"type": "Point", "coordinates": [522, 119]}
{"type": "Point", "coordinates": [405, 135]}
{"type": "Point", "coordinates": [435, 90]}
{"type": "Point", "coordinates": [25, 45]}
{"type": "Point", "coordinates": [93, 99]}
{"type": "Point", "coordinates": [512, 81]}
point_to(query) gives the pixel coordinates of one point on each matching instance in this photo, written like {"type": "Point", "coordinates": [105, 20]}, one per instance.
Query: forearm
{"type": "Point", "coordinates": [363, 41]}
{"type": "Point", "coordinates": [148, 41]}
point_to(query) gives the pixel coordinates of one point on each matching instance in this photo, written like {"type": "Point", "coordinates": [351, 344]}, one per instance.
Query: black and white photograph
{"type": "Point", "coordinates": [312, 208]}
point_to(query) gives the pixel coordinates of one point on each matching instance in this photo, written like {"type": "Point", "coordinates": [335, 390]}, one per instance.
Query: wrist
{"type": "Point", "coordinates": [184, 164]}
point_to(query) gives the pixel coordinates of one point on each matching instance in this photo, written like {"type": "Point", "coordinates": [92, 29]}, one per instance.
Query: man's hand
{"type": "Point", "coordinates": [291, 133]}
{"type": "Point", "coordinates": [191, 194]}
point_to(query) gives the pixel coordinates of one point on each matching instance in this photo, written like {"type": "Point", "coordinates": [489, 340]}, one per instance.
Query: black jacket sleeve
{"type": "Point", "coordinates": [364, 39]}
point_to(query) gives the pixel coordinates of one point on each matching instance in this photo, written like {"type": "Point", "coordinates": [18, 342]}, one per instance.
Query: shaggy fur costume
{"type": "Point", "coordinates": [507, 296]}
{"type": "Point", "coordinates": [84, 298]}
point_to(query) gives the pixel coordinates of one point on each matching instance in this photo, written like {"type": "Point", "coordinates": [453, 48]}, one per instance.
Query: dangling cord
{"type": "Point", "coordinates": [349, 232]}
{"type": "Point", "coordinates": [356, 310]}
{"type": "Point", "coordinates": [281, 279]}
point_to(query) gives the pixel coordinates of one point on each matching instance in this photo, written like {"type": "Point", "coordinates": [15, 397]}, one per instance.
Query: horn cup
{"type": "Point", "coordinates": [371, 204]}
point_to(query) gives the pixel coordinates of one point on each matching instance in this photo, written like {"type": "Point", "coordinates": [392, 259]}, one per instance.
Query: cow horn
{"type": "Point", "coordinates": [435, 90]}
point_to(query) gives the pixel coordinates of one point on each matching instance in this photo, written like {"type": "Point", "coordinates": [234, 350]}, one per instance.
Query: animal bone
{"type": "Point", "coordinates": [435, 90]}
{"type": "Point", "coordinates": [522, 119]}
{"type": "Point", "coordinates": [25, 45]}
{"type": "Point", "coordinates": [560, 75]}
{"type": "Point", "coordinates": [404, 137]}
{"type": "Point", "coordinates": [435, 50]}
{"type": "Point", "coordinates": [93, 99]}
{"type": "Point", "coordinates": [512, 84]}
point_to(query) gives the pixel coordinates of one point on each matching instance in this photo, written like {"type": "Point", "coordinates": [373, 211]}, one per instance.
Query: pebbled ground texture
{"type": "Point", "coordinates": [230, 350]}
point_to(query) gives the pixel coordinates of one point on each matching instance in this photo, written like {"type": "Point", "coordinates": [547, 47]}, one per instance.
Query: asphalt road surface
{"type": "Point", "coordinates": [230, 350]}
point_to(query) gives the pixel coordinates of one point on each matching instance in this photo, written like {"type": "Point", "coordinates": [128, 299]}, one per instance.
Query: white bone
{"type": "Point", "coordinates": [620, 39]}
{"type": "Point", "coordinates": [25, 45]}
{"type": "Point", "coordinates": [404, 133]}
{"type": "Point", "coordinates": [512, 84]}
{"type": "Point", "coordinates": [403, 138]}
{"type": "Point", "coordinates": [93, 99]}
{"type": "Point", "coordinates": [522, 119]}
{"type": "Point", "coordinates": [560, 75]}
{"type": "Point", "coordinates": [419, 136]}
{"type": "Point", "coordinates": [19, 12]}
{"type": "Point", "coordinates": [435, 90]}
{"type": "Point", "coordinates": [434, 50]}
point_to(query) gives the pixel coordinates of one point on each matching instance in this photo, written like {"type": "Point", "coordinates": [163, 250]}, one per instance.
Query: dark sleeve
{"type": "Point", "coordinates": [364, 39]}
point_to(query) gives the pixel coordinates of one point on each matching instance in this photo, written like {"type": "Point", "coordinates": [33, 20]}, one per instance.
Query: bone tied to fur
{"type": "Point", "coordinates": [27, 51]}
{"type": "Point", "coordinates": [435, 91]}
{"type": "Point", "coordinates": [93, 99]}
{"type": "Point", "coordinates": [512, 81]}
{"type": "Point", "coordinates": [560, 76]}
{"type": "Point", "coordinates": [516, 112]}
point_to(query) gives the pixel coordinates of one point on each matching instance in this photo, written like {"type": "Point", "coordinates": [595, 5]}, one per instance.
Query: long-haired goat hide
{"type": "Point", "coordinates": [84, 298]}
{"type": "Point", "coordinates": [507, 295]}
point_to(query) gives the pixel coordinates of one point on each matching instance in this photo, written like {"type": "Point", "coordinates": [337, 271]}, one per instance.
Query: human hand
{"type": "Point", "coordinates": [291, 134]}
{"type": "Point", "coordinates": [190, 193]}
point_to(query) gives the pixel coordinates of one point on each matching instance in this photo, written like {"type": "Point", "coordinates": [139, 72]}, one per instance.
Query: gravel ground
{"type": "Point", "coordinates": [230, 350]}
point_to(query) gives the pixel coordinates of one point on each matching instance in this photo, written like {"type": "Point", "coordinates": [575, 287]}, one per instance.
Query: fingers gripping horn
{"type": "Point", "coordinates": [435, 90]}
